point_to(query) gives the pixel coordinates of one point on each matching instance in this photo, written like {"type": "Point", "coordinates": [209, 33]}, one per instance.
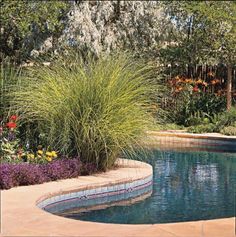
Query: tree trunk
{"type": "Point", "coordinates": [229, 86]}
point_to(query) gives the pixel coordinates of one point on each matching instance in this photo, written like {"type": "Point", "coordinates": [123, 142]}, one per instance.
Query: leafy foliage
{"type": "Point", "coordinates": [224, 123]}
{"type": "Point", "coordinates": [202, 128]}
{"type": "Point", "coordinates": [228, 118]}
{"type": "Point", "coordinates": [26, 23]}
{"type": "Point", "coordinates": [192, 108]}
{"type": "Point", "coordinates": [9, 143]}
{"type": "Point", "coordinates": [204, 32]}
{"type": "Point", "coordinates": [230, 131]}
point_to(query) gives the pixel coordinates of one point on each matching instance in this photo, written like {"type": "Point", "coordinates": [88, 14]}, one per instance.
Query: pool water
{"type": "Point", "coordinates": [187, 186]}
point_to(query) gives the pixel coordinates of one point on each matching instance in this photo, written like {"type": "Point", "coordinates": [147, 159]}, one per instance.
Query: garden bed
{"type": "Point", "coordinates": [18, 174]}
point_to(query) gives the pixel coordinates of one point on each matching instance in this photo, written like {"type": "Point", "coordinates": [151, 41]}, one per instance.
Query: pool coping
{"type": "Point", "coordinates": [183, 134]}
{"type": "Point", "coordinates": [15, 220]}
{"type": "Point", "coordinates": [181, 140]}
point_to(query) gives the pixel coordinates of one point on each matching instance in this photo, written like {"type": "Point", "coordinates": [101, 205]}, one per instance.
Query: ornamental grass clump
{"type": "Point", "coordinates": [94, 110]}
{"type": "Point", "coordinates": [10, 76]}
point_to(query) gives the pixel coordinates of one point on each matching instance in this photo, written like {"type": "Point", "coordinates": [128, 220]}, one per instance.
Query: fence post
{"type": "Point", "coordinates": [229, 86]}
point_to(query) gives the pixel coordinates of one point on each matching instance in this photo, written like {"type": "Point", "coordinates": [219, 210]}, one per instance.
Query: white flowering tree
{"type": "Point", "coordinates": [103, 26]}
{"type": "Point", "coordinates": [95, 26]}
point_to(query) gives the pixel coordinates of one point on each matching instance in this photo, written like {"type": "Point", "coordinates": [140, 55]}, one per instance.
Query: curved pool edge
{"type": "Point", "coordinates": [190, 141]}
{"type": "Point", "coordinates": [184, 134]}
{"type": "Point", "coordinates": [21, 217]}
{"type": "Point", "coordinates": [97, 195]}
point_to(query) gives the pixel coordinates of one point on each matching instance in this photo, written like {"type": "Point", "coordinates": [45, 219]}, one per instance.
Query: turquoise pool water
{"type": "Point", "coordinates": [187, 186]}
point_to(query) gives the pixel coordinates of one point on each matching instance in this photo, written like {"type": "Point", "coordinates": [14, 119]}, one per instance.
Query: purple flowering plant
{"type": "Point", "coordinates": [18, 174]}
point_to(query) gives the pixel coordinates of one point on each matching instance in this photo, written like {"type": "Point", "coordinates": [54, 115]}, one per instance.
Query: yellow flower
{"type": "Point", "coordinates": [40, 152]}
{"type": "Point", "coordinates": [30, 156]}
{"type": "Point", "coordinates": [49, 158]}
{"type": "Point", "coordinates": [54, 154]}
{"type": "Point", "coordinates": [49, 154]}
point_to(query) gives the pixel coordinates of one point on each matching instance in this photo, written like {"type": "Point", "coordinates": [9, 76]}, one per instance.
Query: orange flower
{"type": "Point", "coordinates": [199, 81]}
{"type": "Point", "coordinates": [178, 89]}
{"type": "Point", "coordinates": [178, 79]}
{"type": "Point", "coordinates": [187, 80]}
{"type": "Point", "coordinates": [211, 74]}
{"type": "Point", "coordinates": [213, 82]}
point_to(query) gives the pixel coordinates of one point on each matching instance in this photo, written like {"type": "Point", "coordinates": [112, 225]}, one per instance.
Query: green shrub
{"type": "Point", "coordinates": [230, 131]}
{"type": "Point", "coordinates": [225, 119]}
{"type": "Point", "coordinates": [95, 110]}
{"type": "Point", "coordinates": [197, 119]}
{"type": "Point", "coordinates": [190, 109]}
{"type": "Point", "coordinates": [202, 128]}
{"type": "Point", "coordinates": [224, 123]}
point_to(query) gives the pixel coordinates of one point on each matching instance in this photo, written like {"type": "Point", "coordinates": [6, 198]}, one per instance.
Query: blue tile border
{"type": "Point", "coordinates": [87, 197]}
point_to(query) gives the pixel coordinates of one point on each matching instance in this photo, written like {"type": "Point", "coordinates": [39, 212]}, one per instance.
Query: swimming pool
{"type": "Point", "coordinates": [187, 186]}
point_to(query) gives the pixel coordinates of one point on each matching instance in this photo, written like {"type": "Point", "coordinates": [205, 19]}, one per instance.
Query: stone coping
{"type": "Point", "coordinates": [180, 140]}
{"type": "Point", "coordinates": [183, 134]}
{"type": "Point", "coordinates": [20, 215]}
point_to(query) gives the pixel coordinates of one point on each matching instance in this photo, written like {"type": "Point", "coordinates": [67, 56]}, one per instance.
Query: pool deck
{"type": "Point", "coordinates": [21, 217]}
